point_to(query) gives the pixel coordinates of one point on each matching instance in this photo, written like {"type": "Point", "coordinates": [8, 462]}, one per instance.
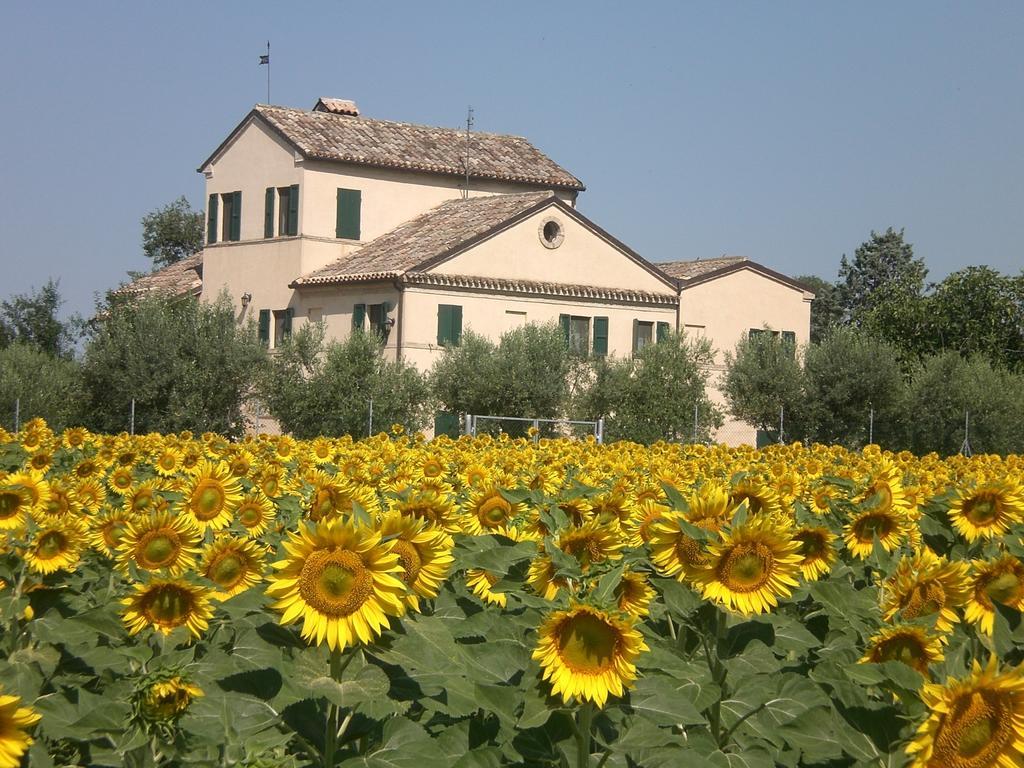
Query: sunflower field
{"type": "Point", "coordinates": [182, 600]}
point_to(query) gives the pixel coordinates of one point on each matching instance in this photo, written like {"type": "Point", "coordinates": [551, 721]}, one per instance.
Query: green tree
{"type": "Point", "coordinates": [763, 378]}
{"type": "Point", "coordinates": [187, 365]}
{"type": "Point", "coordinates": [977, 310]}
{"type": "Point", "coordinates": [31, 319]}
{"type": "Point", "coordinates": [826, 310]}
{"type": "Point", "coordinates": [42, 386]}
{"type": "Point", "coordinates": [315, 388]}
{"type": "Point", "coordinates": [652, 396]}
{"type": "Point", "coordinates": [846, 377]}
{"type": "Point", "coordinates": [171, 233]}
{"type": "Point", "coordinates": [949, 390]}
{"type": "Point", "coordinates": [883, 269]}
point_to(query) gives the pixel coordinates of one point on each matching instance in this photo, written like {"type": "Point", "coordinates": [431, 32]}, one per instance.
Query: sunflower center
{"type": "Point", "coordinates": [168, 462]}
{"type": "Point", "coordinates": [10, 503]}
{"type": "Point", "coordinates": [51, 544]}
{"type": "Point", "coordinates": [747, 567]}
{"type": "Point", "coordinates": [208, 500]}
{"type": "Point", "coordinates": [494, 512]}
{"type": "Point", "coordinates": [878, 498]}
{"type": "Point", "coordinates": [981, 510]}
{"type": "Point", "coordinates": [227, 570]}
{"type": "Point", "coordinates": [167, 605]}
{"type": "Point", "coordinates": [901, 648]}
{"type": "Point", "coordinates": [409, 558]}
{"type": "Point", "coordinates": [323, 504]}
{"type": "Point", "coordinates": [812, 545]}
{"type": "Point", "coordinates": [142, 501]}
{"type": "Point", "coordinates": [1004, 588]}
{"type": "Point", "coordinates": [974, 732]}
{"type": "Point", "coordinates": [113, 532]}
{"type": "Point", "coordinates": [689, 552]}
{"type": "Point", "coordinates": [586, 643]}
{"type": "Point", "coordinates": [250, 516]}
{"type": "Point", "coordinates": [157, 549]}
{"type": "Point", "coordinates": [335, 583]}
{"type": "Point", "coordinates": [924, 600]}
{"type": "Point", "coordinates": [868, 527]}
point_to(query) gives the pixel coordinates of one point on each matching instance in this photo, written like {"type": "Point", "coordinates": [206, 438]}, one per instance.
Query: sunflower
{"type": "Point", "coordinates": [925, 584]}
{"type": "Point", "coordinates": [91, 495]}
{"type": "Point", "coordinates": [588, 654]}
{"type": "Point", "coordinates": [987, 511]}
{"type": "Point", "coordinates": [75, 438]}
{"type": "Point", "coordinates": [165, 605]}
{"type": "Point", "coordinates": [63, 501]}
{"type": "Point", "coordinates": [907, 643]}
{"type": "Point", "coordinates": [487, 511]}
{"type": "Point", "coordinates": [889, 526]}
{"type": "Point", "coordinates": [541, 578]}
{"type": "Point", "coordinates": [211, 495]}
{"type": "Point", "coordinates": [15, 720]}
{"type": "Point", "coordinates": [168, 463]}
{"type": "Point", "coordinates": [673, 551]}
{"type": "Point", "coordinates": [481, 581]}
{"type": "Point", "coordinates": [612, 507]}
{"type": "Point", "coordinates": [424, 553]}
{"type": "Point", "coordinates": [591, 543]}
{"type": "Point", "coordinates": [645, 514]}
{"type": "Point", "coordinates": [883, 490]}
{"type": "Point", "coordinates": [332, 496]}
{"type": "Point", "coordinates": [474, 475]}
{"type": "Point", "coordinates": [166, 698]}
{"type": "Point", "coordinates": [342, 580]}
{"type": "Point", "coordinates": [233, 565]}
{"type": "Point", "coordinates": [254, 513]}
{"type": "Point", "coordinates": [761, 498]}
{"type": "Point", "coordinates": [429, 505]}
{"type": "Point", "coordinates": [107, 529]}
{"type": "Point", "coordinates": [1000, 580]}
{"type": "Point", "coordinates": [15, 505]}
{"type": "Point", "coordinates": [817, 551]}
{"type": "Point", "coordinates": [143, 498]}
{"type": "Point", "coordinates": [56, 546]}
{"type": "Point", "coordinates": [709, 506]}
{"type": "Point", "coordinates": [159, 542]}
{"type": "Point", "coordinates": [633, 594]}
{"type": "Point", "coordinates": [751, 567]}
{"type": "Point", "coordinates": [973, 722]}
{"type": "Point", "coordinates": [121, 480]}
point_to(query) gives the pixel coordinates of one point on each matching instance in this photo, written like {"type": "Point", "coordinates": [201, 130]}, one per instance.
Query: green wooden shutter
{"type": "Point", "coordinates": [662, 332]}
{"type": "Point", "coordinates": [600, 336]}
{"type": "Point", "coordinates": [349, 213]}
{"type": "Point", "coordinates": [293, 210]}
{"type": "Point", "coordinates": [456, 327]}
{"type": "Point", "coordinates": [286, 323]}
{"type": "Point", "coordinates": [444, 323]}
{"type": "Point", "coordinates": [446, 423]}
{"type": "Point", "coordinates": [211, 220]}
{"type": "Point", "coordinates": [358, 316]}
{"type": "Point", "coordinates": [563, 320]}
{"type": "Point", "coordinates": [268, 212]}
{"type": "Point", "coordinates": [265, 327]}
{"type": "Point", "coordinates": [636, 336]}
{"type": "Point", "coordinates": [236, 216]}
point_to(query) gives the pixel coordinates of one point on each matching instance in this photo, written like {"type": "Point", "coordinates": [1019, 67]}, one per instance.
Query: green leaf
{"type": "Point", "coordinates": [604, 592]}
{"type": "Point", "coordinates": [369, 684]}
{"type": "Point", "coordinates": [566, 566]}
{"type": "Point", "coordinates": [665, 701]}
{"type": "Point", "coordinates": [405, 745]}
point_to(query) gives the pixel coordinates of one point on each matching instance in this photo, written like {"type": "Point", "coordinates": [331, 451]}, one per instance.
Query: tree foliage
{"type": "Point", "coordinates": [313, 388]}
{"type": "Point", "coordinates": [38, 385]}
{"type": "Point", "coordinates": [652, 395]}
{"type": "Point", "coordinates": [187, 364]}
{"type": "Point", "coordinates": [31, 319]}
{"type": "Point", "coordinates": [846, 376]}
{"type": "Point", "coordinates": [826, 310]}
{"type": "Point", "coordinates": [171, 233]}
{"type": "Point", "coordinates": [883, 270]}
{"type": "Point", "coordinates": [762, 378]}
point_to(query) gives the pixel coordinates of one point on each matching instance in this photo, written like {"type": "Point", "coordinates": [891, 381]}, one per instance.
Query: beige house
{"type": "Point", "coordinates": [422, 233]}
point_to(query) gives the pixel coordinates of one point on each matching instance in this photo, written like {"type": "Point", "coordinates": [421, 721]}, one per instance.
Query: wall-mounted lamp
{"type": "Point", "coordinates": [246, 298]}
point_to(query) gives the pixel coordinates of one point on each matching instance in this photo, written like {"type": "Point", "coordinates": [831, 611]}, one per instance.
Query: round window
{"type": "Point", "coordinates": [551, 233]}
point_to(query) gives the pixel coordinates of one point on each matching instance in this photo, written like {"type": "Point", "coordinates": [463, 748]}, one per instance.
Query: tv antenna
{"type": "Point", "coordinates": [469, 126]}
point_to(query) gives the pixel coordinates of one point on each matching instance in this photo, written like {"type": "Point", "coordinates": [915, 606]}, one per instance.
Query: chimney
{"type": "Point", "coordinates": [336, 106]}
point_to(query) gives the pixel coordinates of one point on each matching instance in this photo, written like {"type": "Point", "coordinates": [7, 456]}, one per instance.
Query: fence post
{"type": "Point", "coordinates": [965, 447]}
{"type": "Point", "coordinates": [132, 424]}
{"type": "Point", "coordinates": [871, 426]}
{"type": "Point", "coordinates": [695, 407]}
{"type": "Point", "coordinates": [536, 430]}
{"type": "Point", "coordinates": [17, 414]}
{"type": "Point", "coordinates": [600, 431]}
{"type": "Point", "coordinates": [782, 423]}
{"type": "Point", "coordinates": [369, 429]}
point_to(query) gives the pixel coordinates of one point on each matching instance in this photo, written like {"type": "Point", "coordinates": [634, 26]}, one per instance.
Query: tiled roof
{"type": "Point", "coordinates": [427, 236]}
{"type": "Point", "coordinates": [687, 270]}
{"type": "Point", "coordinates": [323, 135]}
{"type": "Point", "coordinates": [535, 287]}
{"type": "Point", "coordinates": [178, 279]}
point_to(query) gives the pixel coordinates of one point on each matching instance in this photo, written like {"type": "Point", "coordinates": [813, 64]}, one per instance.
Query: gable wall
{"type": "Point", "coordinates": [583, 258]}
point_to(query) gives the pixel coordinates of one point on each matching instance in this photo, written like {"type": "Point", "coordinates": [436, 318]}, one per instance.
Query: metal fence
{"type": "Point", "coordinates": [519, 426]}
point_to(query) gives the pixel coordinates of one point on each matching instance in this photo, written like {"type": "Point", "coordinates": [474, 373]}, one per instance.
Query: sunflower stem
{"type": "Point", "coordinates": [333, 729]}
{"type": "Point", "coordinates": [584, 724]}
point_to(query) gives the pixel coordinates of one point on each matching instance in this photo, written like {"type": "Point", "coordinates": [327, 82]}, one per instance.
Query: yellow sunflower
{"type": "Point", "coordinates": [424, 553]}
{"type": "Point", "coordinates": [255, 513]}
{"type": "Point", "coordinates": [341, 580]}
{"type": "Point", "coordinates": [761, 498]}
{"type": "Point", "coordinates": [91, 494]}
{"type": "Point", "coordinates": [588, 654]}
{"type": "Point", "coordinates": [480, 582]}
{"type": "Point", "coordinates": [817, 551]}
{"type": "Point", "coordinates": [924, 584]}
{"type": "Point", "coordinates": [166, 698]}
{"type": "Point", "coordinates": [907, 643]}
{"type": "Point", "coordinates": [987, 511]}
{"type": "Point", "coordinates": [15, 505]}
{"type": "Point", "coordinates": [168, 462]}
{"type": "Point", "coordinates": [15, 720]}
{"type": "Point", "coordinates": [633, 594]}
{"type": "Point", "coordinates": [107, 529]}
{"type": "Point", "coordinates": [751, 567]}
{"type": "Point", "coordinates": [487, 511]}
{"type": "Point", "coordinates": [673, 551]}
{"type": "Point", "coordinates": [56, 546]}
{"type": "Point", "coordinates": [429, 505]}
{"type": "Point", "coordinates": [975, 722]}
{"type": "Point", "coordinates": [888, 526]}
{"type": "Point", "coordinates": [591, 543]}
{"type": "Point", "coordinates": [211, 495]}
{"type": "Point", "coordinates": [160, 542]}
{"type": "Point", "coordinates": [644, 515]}
{"type": "Point", "coordinates": [165, 605]}
{"type": "Point", "coordinates": [709, 506]}
{"type": "Point", "coordinates": [541, 578]}
{"type": "Point", "coordinates": [1000, 580]}
{"type": "Point", "coordinates": [144, 498]}
{"type": "Point", "coordinates": [233, 565]}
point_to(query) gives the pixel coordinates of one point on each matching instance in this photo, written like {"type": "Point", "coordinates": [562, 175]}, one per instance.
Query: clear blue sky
{"type": "Point", "coordinates": [785, 132]}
